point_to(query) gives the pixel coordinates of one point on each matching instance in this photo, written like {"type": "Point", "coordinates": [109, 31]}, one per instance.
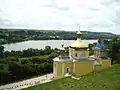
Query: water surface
{"type": "Point", "coordinates": [40, 44]}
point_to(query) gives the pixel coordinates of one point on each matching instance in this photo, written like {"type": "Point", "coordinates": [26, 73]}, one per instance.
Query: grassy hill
{"type": "Point", "coordinates": [18, 35]}
{"type": "Point", "coordinates": [108, 79]}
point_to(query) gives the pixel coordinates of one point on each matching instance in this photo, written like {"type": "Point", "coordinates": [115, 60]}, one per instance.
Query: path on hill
{"type": "Point", "coordinates": [28, 82]}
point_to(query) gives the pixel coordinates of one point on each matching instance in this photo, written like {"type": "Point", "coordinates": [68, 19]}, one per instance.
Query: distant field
{"type": "Point", "coordinates": [108, 79]}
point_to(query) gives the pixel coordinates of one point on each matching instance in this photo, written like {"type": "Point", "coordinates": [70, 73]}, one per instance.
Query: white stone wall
{"type": "Point", "coordinates": [78, 54]}
{"type": "Point", "coordinates": [97, 53]}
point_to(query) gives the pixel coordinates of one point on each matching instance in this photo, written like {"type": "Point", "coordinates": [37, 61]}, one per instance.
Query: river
{"type": "Point", "coordinates": [40, 44]}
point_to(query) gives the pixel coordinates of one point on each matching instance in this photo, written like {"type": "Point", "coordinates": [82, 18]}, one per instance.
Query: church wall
{"type": "Point", "coordinates": [79, 68]}
{"type": "Point", "coordinates": [81, 54]}
{"type": "Point", "coordinates": [97, 67]}
{"type": "Point", "coordinates": [105, 64]}
{"type": "Point", "coordinates": [76, 53]}
{"type": "Point", "coordinates": [55, 69]}
{"type": "Point", "coordinates": [71, 50]}
{"type": "Point", "coordinates": [83, 67]}
{"type": "Point", "coordinates": [59, 69]}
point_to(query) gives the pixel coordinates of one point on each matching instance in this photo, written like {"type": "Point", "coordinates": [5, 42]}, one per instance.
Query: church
{"type": "Point", "coordinates": [78, 62]}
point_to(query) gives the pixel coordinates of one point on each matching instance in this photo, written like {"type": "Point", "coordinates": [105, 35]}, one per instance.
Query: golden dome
{"type": "Point", "coordinates": [78, 43]}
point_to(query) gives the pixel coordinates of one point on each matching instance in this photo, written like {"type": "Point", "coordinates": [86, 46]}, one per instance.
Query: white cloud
{"type": "Point", "coordinates": [92, 15]}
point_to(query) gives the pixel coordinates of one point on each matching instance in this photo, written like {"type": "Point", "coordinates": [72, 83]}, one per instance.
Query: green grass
{"type": "Point", "coordinates": [108, 79]}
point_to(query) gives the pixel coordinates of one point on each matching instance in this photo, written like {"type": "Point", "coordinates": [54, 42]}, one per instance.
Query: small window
{"type": "Point", "coordinates": [76, 55]}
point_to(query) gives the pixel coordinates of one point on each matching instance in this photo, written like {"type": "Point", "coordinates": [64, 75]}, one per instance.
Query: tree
{"type": "Point", "coordinates": [4, 76]}
{"type": "Point", "coordinates": [24, 61]}
{"type": "Point", "coordinates": [114, 48]}
{"type": "Point", "coordinates": [1, 49]}
{"type": "Point", "coordinates": [48, 50]}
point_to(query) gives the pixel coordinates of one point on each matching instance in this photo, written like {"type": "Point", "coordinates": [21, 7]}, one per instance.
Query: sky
{"type": "Point", "coordinates": [91, 15]}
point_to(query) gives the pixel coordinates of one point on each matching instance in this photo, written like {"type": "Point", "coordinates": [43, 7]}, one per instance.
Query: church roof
{"type": "Point", "coordinates": [79, 32]}
{"type": "Point", "coordinates": [78, 43]}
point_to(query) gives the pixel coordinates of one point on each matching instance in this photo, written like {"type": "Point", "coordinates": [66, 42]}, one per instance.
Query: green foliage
{"type": "Point", "coordinates": [18, 65]}
{"type": "Point", "coordinates": [19, 71]}
{"type": "Point", "coordinates": [4, 76]}
{"type": "Point", "coordinates": [47, 49]}
{"type": "Point", "coordinates": [38, 59]}
{"type": "Point", "coordinates": [1, 66]}
{"type": "Point", "coordinates": [114, 49]}
{"type": "Point", "coordinates": [1, 49]}
{"type": "Point", "coordinates": [24, 61]}
{"type": "Point", "coordinates": [52, 55]}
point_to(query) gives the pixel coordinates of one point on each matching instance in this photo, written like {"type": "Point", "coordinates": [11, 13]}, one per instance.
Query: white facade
{"type": "Point", "coordinates": [97, 53]}
{"type": "Point", "coordinates": [78, 54]}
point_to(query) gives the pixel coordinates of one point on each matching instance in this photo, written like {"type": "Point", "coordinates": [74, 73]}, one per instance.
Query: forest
{"type": "Point", "coordinates": [19, 35]}
{"type": "Point", "coordinates": [19, 65]}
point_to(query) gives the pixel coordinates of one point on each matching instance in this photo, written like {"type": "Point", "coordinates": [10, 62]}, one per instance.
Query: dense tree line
{"type": "Point", "coordinates": [18, 35]}
{"type": "Point", "coordinates": [114, 49]}
{"type": "Point", "coordinates": [18, 65]}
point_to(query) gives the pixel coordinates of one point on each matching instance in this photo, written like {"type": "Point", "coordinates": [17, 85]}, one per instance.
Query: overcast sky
{"type": "Point", "coordinates": [92, 15]}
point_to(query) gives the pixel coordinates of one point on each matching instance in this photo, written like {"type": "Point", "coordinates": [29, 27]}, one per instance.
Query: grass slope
{"type": "Point", "coordinates": [108, 79]}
